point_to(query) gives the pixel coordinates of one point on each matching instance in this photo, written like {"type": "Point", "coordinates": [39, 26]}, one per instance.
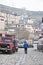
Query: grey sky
{"type": "Point", "coordinates": [33, 5]}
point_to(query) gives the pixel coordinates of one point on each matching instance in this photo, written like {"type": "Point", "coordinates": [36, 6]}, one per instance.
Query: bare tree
{"type": "Point", "coordinates": [23, 33]}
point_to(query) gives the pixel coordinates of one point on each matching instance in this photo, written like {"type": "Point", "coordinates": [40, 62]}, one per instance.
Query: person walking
{"type": "Point", "coordinates": [25, 47]}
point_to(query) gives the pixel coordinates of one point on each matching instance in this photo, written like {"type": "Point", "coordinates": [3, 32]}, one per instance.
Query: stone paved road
{"type": "Point", "coordinates": [20, 58]}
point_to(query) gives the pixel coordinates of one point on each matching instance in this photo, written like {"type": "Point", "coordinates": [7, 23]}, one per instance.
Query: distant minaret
{"type": "Point", "coordinates": [42, 19]}
{"type": "Point", "coordinates": [42, 26]}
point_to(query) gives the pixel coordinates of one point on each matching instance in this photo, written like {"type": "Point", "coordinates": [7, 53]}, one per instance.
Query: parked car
{"type": "Point", "coordinates": [40, 45]}
{"type": "Point", "coordinates": [20, 44]}
{"type": "Point", "coordinates": [6, 45]}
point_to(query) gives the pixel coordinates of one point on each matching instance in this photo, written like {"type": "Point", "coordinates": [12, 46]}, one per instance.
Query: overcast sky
{"type": "Point", "coordinates": [33, 5]}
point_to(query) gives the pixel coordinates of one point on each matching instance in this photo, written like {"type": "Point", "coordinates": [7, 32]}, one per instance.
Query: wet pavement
{"type": "Point", "coordinates": [20, 58]}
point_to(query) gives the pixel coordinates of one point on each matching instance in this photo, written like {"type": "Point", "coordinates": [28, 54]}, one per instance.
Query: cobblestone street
{"type": "Point", "coordinates": [20, 58]}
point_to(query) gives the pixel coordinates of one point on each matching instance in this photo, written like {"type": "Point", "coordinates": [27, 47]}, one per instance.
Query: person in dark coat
{"type": "Point", "coordinates": [25, 46]}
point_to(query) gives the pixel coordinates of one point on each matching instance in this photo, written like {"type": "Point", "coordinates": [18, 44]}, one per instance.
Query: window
{"type": "Point", "coordinates": [6, 40]}
{"type": "Point", "coordinates": [2, 19]}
